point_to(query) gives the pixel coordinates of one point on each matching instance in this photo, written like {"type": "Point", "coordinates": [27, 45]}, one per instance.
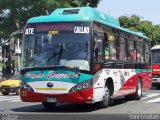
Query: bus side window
{"type": "Point", "coordinates": [98, 48]}
{"type": "Point", "coordinates": [146, 53]}
{"type": "Point", "coordinates": [106, 50]}
{"type": "Point", "coordinates": [110, 47]}
{"type": "Point", "coordinates": [132, 50]}
{"type": "Point", "coordinates": [122, 53]}
{"type": "Point", "coordinates": [140, 53]}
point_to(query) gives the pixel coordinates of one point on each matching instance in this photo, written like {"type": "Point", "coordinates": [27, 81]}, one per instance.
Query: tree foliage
{"type": "Point", "coordinates": [14, 14]}
{"type": "Point", "coordinates": [136, 23]}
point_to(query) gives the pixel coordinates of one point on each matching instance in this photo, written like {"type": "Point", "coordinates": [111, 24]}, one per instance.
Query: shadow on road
{"type": "Point", "coordinates": [60, 108]}
{"type": "Point", "coordinates": [74, 108]}
{"type": "Point", "coordinates": [154, 88]}
{"type": "Point", "coordinates": [66, 108]}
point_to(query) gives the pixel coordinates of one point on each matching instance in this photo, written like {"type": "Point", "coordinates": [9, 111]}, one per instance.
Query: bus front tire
{"type": "Point", "coordinates": [138, 93]}
{"type": "Point", "coordinates": [106, 99]}
{"type": "Point", "coordinates": [49, 105]}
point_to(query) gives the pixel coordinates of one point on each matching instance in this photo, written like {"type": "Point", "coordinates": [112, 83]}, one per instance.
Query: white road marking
{"type": "Point", "coordinates": [10, 98]}
{"type": "Point", "coordinates": [153, 100]}
{"type": "Point", "coordinates": [15, 101]}
{"type": "Point", "coordinates": [150, 95]}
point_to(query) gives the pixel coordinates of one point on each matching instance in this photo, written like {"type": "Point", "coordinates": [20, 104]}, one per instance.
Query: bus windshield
{"type": "Point", "coordinates": [48, 47]}
{"type": "Point", "coordinates": [155, 57]}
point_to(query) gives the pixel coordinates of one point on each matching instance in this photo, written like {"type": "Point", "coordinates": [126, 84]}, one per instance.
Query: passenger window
{"type": "Point", "coordinates": [140, 52]}
{"type": "Point", "coordinates": [110, 47]}
{"type": "Point", "coordinates": [122, 50]}
{"type": "Point", "coordinates": [98, 47]}
{"type": "Point", "coordinates": [132, 50]}
{"type": "Point", "coordinates": [146, 53]}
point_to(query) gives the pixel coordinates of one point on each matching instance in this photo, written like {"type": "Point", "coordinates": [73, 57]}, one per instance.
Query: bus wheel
{"type": "Point", "coordinates": [48, 105]}
{"type": "Point", "coordinates": [5, 93]}
{"type": "Point", "coordinates": [106, 98]}
{"type": "Point", "coordinates": [138, 94]}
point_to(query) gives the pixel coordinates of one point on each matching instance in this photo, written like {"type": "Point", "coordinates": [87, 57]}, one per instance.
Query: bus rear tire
{"type": "Point", "coordinates": [106, 99]}
{"type": "Point", "coordinates": [48, 105]}
{"type": "Point", "coordinates": [138, 93]}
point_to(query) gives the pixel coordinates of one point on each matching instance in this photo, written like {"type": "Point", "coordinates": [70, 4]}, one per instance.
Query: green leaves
{"type": "Point", "coordinates": [14, 15]}
{"type": "Point", "coordinates": [136, 23]}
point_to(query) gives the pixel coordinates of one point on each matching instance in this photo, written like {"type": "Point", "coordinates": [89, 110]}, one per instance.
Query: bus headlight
{"type": "Point", "coordinates": [82, 86]}
{"type": "Point", "coordinates": [26, 86]}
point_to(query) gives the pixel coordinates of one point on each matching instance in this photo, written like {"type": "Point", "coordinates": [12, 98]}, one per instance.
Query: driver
{"type": "Point", "coordinates": [38, 59]}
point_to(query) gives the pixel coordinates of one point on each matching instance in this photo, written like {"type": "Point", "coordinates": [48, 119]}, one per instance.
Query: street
{"type": "Point", "coordinates": [149, 104]}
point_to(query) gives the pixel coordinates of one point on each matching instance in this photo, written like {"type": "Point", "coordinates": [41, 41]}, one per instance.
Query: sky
{"type": "Point", "coordinates": [146, 9]}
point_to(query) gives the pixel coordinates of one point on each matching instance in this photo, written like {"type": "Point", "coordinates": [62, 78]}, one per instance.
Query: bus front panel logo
{"type": "Point", "coordinates": [50, 84]}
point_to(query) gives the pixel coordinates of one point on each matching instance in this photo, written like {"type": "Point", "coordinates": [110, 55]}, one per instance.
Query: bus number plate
{"type": "Point", "coordinates": [51, 99]}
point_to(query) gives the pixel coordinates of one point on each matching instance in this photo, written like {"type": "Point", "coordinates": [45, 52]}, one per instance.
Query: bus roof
{"type": "Point", "coordinates": [155, 47]}
{"type": "Point", "coordinates": [82, 14]}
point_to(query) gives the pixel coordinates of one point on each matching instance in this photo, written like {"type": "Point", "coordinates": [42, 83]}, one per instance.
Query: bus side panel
{"type": "Point", "coordinates": [98, 85]}
{"type": "Point", "coordinates": [119, 77]}
{"type": "Point", "coordinates": [124, 82]}
{"type": "Point", "coordinates": [131, 82]}
{"type": "Point", "coordinates": [146, 81]}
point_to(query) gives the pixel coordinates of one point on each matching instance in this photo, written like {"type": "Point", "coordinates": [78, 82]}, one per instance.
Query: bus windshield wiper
{"type": "Point", "coordinates": [55, 54]}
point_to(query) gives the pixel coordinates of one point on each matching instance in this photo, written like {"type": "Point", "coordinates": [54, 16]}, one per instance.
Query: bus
{"type": "Point", "coordinates": [81, 55]}
{"type": "Point", "coordinates": [155, 53]}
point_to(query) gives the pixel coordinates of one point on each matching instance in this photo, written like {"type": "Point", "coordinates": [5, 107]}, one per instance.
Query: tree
{"type": "Point", "coordinates": [13, 15]}
{"type": "Point", "coordinates": [136, 24]}
{"type": "Point", "coordinates": [130, 22]}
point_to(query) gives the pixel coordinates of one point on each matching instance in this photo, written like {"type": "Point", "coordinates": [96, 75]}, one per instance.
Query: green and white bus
{"type": "Point", "coordinates": [81, 55]}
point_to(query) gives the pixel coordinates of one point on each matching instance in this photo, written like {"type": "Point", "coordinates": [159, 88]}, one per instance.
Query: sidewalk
{"type": "Point", "coordinates": [2, 79]}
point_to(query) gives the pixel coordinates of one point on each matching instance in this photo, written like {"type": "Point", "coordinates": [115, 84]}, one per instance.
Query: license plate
{"type": "Point", "coordinates": [51, 99]}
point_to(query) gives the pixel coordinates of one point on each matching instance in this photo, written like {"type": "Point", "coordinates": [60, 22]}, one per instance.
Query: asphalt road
{"type": "Point", "coordinates": [125, 109]}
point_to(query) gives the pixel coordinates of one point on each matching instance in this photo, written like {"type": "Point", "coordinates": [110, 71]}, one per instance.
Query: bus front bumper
{"type": "Point", "coordinates": [84, 96]}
